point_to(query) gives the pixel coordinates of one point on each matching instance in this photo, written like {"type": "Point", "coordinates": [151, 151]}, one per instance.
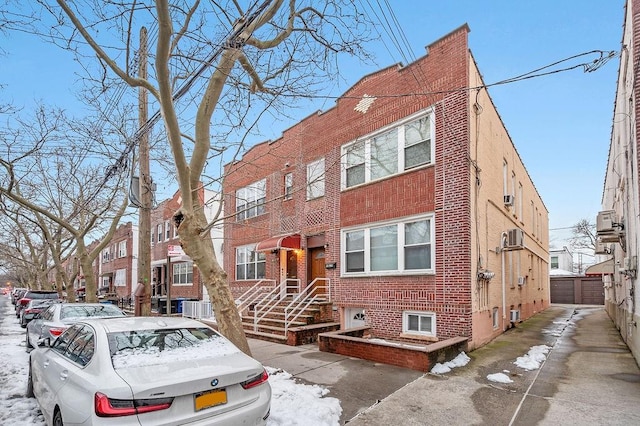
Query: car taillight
{"type": "Point", "coordinates": [24, 301]}
{"type": "Point", "coordinates": [255, 381]}
{"type": "Point", "coordinates": [56, 331]}
{"type": "Point", "coordinates": [108, 407]}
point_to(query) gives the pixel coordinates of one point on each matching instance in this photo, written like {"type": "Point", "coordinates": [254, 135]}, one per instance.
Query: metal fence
{"type": "Point", "coordinates": [197, 309]}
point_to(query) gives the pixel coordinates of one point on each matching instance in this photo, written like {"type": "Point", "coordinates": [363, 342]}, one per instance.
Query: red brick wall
{"type": "Point", "coordinates": [443, 189]}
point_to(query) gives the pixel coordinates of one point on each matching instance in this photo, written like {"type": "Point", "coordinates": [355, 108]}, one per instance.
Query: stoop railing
{"type": "Point", "coordinates": [254, 294]}
{"type": "Point", "coordinates": [318, 292]}
{"type": "Point", "coordinates": [270, 301]}
{"type": "Point", "coordinates": [197, 309]}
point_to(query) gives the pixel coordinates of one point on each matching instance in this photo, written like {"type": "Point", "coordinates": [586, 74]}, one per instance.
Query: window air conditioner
{"type": "Point", "coordinates": [605, 222]}
{"type": "Point", "coordinates": [515, 239]}
{"type": "Point", "coordinates": [515, 315]}
{"type": "Point", "coordinates": [508, 200]}
{"type": "Point", "coordinates": [522, 280]}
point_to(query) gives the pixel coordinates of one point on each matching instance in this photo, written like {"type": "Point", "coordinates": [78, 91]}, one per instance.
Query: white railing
{"type": "Point", "coordinates": [198, 309]}
{"type": "Point", "coordinates": [251, 296]}
{"type": "Point", "coordinates": [313, 293]}
{"type": "Point", "coordinates": [270, 301]}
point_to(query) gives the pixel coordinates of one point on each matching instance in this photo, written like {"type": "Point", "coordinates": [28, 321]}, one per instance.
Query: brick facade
{"type": "Point", "coordinates": [442, 190]}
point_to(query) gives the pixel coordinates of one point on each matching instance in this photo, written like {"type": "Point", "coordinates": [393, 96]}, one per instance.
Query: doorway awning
{"type": "Point", "coordinates": [602, 268]}
{"type": "Point", "coordinates": [284, 242]}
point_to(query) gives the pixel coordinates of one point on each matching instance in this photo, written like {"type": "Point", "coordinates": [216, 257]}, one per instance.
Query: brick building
{"type": "Point", "coordinates": [407, 201]}
{"type": "Point", "coordinates": [168, 263]}
{"type": "Point", "coordinates": [117, 266]}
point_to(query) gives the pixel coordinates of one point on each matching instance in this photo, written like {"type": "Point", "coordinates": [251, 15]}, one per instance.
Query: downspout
{"type": "Point", "coordinates": [503, 241]}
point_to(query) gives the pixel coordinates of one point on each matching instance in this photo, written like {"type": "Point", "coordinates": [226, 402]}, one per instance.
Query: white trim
{"type": "Point", "coordinates": [405, 323]}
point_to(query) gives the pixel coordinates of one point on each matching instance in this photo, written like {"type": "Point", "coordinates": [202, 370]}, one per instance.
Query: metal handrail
{"type": "Point", "coordinates": [250, 296]}
{"type": "Point", "coordinates": [263, 309]}
{"type": "Point", "coordinates": [303, 299]}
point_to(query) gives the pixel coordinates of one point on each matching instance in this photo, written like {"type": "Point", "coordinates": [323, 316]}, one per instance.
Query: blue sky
{"type": "Point", "coordinates": [560, 123]}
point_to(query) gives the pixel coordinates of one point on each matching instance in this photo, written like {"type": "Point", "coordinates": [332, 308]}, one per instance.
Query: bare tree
{"type": "Point", "coordinates": [213, 56]}
{"type": "Point", "coordinates": [52, 172]}
{"type": "Point", "coordinates": [583, 235]}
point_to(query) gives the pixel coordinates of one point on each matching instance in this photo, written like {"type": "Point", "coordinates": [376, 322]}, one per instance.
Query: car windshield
{"type": "Point", "coordinates": [142, 347]}
{"type": "Point", "coordinates": [42, 295]}
{"type": "Point", "coordinates": [83, 311]}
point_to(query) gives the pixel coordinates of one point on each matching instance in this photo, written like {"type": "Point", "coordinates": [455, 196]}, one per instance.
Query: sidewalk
{"type": "Point", "coordinates": [588, 378]}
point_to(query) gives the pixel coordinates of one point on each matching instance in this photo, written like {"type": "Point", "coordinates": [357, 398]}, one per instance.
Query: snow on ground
{"type": "Point", "coordinates": [534, 358]}
{"type": "Point", "coordinates": [461, 360]}
{"type": "Point", "coordinates": [499, 378]}
{"type": "Point", "coordinates": [292, 403]}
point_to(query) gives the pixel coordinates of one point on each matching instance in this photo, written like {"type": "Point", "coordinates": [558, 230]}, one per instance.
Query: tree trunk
{"type": "Point", "coordinates": [200, 249]}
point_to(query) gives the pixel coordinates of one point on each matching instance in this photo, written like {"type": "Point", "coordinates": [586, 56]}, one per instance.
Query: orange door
{"type": "Point", "coordinates": [316, 256]}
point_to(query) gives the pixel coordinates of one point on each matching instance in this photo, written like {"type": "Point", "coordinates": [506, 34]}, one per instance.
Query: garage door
{"type": "Point", "coordinates": [592, 291]}
{"type": "Point", "coordinates": [562, 290]}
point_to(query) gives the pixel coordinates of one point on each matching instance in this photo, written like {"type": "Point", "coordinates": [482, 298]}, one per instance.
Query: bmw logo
{"type": "Point", "coordinates": [214, 382]}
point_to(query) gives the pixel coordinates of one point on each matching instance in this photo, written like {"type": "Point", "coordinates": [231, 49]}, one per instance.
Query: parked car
{"type": "Point", "coordinates": [147, 371]}
{"type": "Point", "coordinates": [34, 294]}
{"type": "Point", "coordinates": [16, 294]}
{"type": "Point", "coordinates": [33, 308]}
{"type": "Point", "coordinates": [58, 317]}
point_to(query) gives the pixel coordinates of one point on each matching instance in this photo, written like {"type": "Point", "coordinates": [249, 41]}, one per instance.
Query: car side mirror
{"type": "Point", "coordinates": [44, 343]}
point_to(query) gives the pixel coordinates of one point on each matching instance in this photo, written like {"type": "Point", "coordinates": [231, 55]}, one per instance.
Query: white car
{"type": "Point", "coordinates": [58, 317]}
{"type": "Point", "coordinates": [147, 371]}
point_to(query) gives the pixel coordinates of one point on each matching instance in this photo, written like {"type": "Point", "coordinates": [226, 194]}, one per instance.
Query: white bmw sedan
{"type": "Point", "coordinates": [147, 371]}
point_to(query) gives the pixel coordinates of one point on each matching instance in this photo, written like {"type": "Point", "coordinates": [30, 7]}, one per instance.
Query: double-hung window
{"type": "Point", "coordinates": [315, 179]}
{"type": "Point", "coordinates": [250, 264]}
{"type": "Point", "coordinates": [392, 151]}
{"type": "Point", "coordinates": [122, 249]}
{"type": "Point", "coordinates": [399, 247]}
{"type": "Point", "coordinates": [250, 200]}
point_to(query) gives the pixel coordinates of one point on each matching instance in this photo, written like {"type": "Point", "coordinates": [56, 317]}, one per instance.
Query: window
{"type": "Point", "coordinates": [423, 323]}
{"type": "Point", "coordinates": [315, 179]}
{"type": "Point", "coordinates": [122, 249]}
{"type": "Point", "coordinates": [250, 264]}
{"type": "Point", "coordinates": [105, 255]}
{"type": "Point", "coordinates": [505, 173]}
{"type": "Point", "coordinates": [182, 273]}
{"type": "Point", "coordinates": [167, 230]}
{"type": "Point", "coordinates": [288, 186]}
{"type": "Point", "coordinates": [250, 200]}
{"type": "Point", "coordinates": [496, 318]}
{"type": "Point", "coordinates": [160, 232]}
{"type": "Point", "coordinates": [120, 279]}
{"type": "Point", "coordinates": [387, 153]}
{"type": "Point", "coordinates": [554, 262]}
{"type": "Point", "coordinates": [396, 247]}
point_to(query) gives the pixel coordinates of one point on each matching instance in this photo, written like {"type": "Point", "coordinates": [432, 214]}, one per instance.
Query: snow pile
{"type": "Point", "coordinates": [295, 404]}
{"type": "Point", "coordinates": [534, 358]}
{"type": "Point", "coordinates": [499, 378]}
{"type": "Point", "coordinates": [459, 361]}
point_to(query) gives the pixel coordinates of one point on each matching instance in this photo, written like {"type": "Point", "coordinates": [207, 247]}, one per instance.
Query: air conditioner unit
{"type": "Point", "coordinates": [629, 264]}
{"type": "Point", "coordinates": [515, 239]}
{"type": "Point", "coordinates": [605, 222]}
{"type": "Point", "coordinates": [522, 280]}
{"type": "Point", "coordinates": [515, 315]}
{"type": "Point", "coordinates": [508, 200]}
{"type": "Point", "coordinates": [602, 248]}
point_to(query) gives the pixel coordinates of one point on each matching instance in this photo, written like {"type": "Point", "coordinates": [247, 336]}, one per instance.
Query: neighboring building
{"type": "Point", "coordinates": [561, 262]}
{"type": "Point", "coordinates": [618, 224]}
{"type": "Point", "coordinates": [168, 263]}
{"type": "Point", "coordinates": [118, 264]}
{"type": "Point", "coordinates": [408, 198]}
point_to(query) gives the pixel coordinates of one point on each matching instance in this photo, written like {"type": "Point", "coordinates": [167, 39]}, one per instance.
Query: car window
{"type": "Point", "coordinates": [84, 311]}
{"type": "Point", "coordinates": [48, 314]}
{"type": "Point", "coordinates": [62, 342]}
{"type": "Point", "coordinates": [161, 339]}
{"type": "Point", "coordinates": [80, 349]}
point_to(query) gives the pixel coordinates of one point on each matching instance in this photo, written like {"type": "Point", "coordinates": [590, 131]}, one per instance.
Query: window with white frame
{"type": "Point", "coordinates": [122, 249]}
{"type": "Point", "coordinates": [167, 230]}
{"type": "Point", "coordinates": [120, 278]}
{"type": "Point", "coordinates": [495, 318]}
{"type": "Point", "coordinates": [399, 247]}
{"type": "Point", "coordinates": [315, 179]}
{"type": "Point", "coordinates": [160, 232]}
{"type": "Point", "coordinates": [250, 264]}
{"type": "Point", "coordinates": [250, 200]}
{"type": "Point", "coordinates": [392, 151]}
{"type": "Point", "coordinates": [105, 255]}
{"type": "Point", "coordinates": [175, 231]}
{"type": "Point", "coordinates": [183, 273]}
{"type": "Point", "coordinates": [288, 186]}
{"type": "Point", "coordinates": [422, 323]}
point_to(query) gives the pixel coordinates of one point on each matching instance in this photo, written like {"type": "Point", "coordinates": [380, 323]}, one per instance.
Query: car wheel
{"type": "Point", "coordinates": [27, 343]}
{"type": "Point", "coordinates": [29, 392]}
{"type": "Point", "coordinates": [57, 418]}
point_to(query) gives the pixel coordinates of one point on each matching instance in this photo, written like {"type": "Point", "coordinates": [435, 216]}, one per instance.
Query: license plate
{"type": "Point", "coordinates": [210, 399]}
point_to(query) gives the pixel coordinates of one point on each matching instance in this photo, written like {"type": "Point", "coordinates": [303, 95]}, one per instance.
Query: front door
{"type": "Point", "coordinates": [317, 271]}
{"type": "Point", "coordinates": [289, 272]}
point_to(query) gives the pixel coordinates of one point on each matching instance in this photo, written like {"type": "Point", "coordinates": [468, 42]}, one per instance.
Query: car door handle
{"type": "Point", "coordinates": [64, 375]}
{"type": "Point", "coordinates": [45, 364]}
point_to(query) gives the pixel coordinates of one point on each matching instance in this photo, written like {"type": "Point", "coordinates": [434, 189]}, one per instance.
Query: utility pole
{"type": "Point", "coordinates": [143, 303]}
